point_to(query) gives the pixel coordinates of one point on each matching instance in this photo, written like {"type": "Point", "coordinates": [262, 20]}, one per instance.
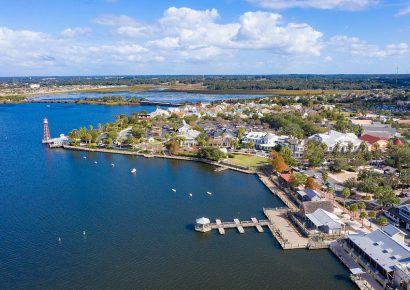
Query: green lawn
{"type": "Point", "coordinates": [248, 161]}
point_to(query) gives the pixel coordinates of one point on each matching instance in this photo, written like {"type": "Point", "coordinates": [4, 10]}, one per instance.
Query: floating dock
{"type": "Point", "coordinates": [239, 225]}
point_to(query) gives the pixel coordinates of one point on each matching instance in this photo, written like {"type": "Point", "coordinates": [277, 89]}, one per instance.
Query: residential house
{"type": "Point", "coordinates": [297, 146]}
{"type": "Point", "coordinates": [332, 138]}
{"type": "Point", "coordinates": [400, 215]}
{"type": "Point", "coordinates": [374, 142]}
{"type": "Point", "coordinates": [159, 112]}
{"type": "Point", "coordinates": [188, 135]}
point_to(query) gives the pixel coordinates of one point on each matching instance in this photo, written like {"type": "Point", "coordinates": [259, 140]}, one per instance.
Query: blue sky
{"type": "Point", "coordinates": [103, 37]}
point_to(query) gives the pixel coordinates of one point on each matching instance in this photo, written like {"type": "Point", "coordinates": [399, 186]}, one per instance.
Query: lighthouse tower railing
{"type": "Point", "coordinates": [46, 133]}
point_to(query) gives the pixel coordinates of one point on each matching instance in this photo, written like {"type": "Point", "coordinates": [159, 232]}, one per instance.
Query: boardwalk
{"type": "Point", "coordinates": [283, 230]}
{"type": "Point", "coordinates": [365, 281]}
{"type": "Point", "coordinates": [267, 180]}
{"type": "Point", "coordinates": [239, 225]}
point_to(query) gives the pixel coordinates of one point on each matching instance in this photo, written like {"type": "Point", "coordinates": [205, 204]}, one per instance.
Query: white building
{"type": "Point", "coordinates": [263, 140]}
{"type": "Point", "coordinates": [333, 137]}
{"type": "Point", "coordinates": [159, 112]}
{"type": "Point", "coordinates": [34, 86]}
{"type": "Point", "coordinates": [188, 134]}
{"type": "Point", "coordinates": [325, 221]}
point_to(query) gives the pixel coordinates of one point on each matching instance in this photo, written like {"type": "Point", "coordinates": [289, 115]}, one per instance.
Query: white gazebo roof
{"type": "Point", "coordinates": [203, 221]}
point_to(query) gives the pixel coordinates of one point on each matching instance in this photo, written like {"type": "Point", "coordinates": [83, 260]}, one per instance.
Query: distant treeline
{"type": "Point", "coordinates": [239, 82]}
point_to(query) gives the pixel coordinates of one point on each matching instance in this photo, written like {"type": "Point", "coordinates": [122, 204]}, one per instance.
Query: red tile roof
{"type": "Point", "coordinates": [371, 139]}
{"type": "Point", "coordinates": [286, 177]}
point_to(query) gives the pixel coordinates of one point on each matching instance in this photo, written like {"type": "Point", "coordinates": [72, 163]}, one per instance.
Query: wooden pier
{"type": "Point", "coordinates": [239, 225]}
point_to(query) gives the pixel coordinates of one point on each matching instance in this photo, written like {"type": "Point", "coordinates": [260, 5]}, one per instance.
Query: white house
{"type": "Point", "coordinates": [159, 112]}
{"type": "Point", "coordinates": [263, 140]}
{"type": "Point", "coordinates": [188, 134]}
{"type": "Point", "coordinates": [325, 221]}
{"type": "Point", "coordinates": [333, 137]}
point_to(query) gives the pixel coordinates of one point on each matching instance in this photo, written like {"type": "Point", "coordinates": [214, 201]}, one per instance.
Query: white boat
{"type": "Point", "coordinates": [209, 193]}
{"type": "Point", "coordinates": [85, 157]}
{"type": "Point", "coordinates": [95, 162]}
{"type": "Point", "coordinates": [173, 189]}
{"type": "Point", "coordinates": [190, 194]}
{"type": "Point", "coordinates": [133, 170]}
{"type": "Point", "coordinates": [112, 164]}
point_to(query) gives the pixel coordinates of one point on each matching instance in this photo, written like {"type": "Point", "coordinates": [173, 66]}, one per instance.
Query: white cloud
{"type": "Point", "coordinates": [358, 47]}
{"type": "Point", "coordinates": [403, 11]}
{"type": "Point", "coordinates": [318, 4]}
{"type": "Point", "coordinates": [116, 20]}
{"type": "Point", "coordinates": [73, 32]}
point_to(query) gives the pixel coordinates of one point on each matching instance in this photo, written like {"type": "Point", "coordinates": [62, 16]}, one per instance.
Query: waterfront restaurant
{"type": "Point", "coordinates": [379, 252]}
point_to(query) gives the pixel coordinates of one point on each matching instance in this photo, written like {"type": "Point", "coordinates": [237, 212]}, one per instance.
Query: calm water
{"type": "Point", "coordinates": [154, 95]}
{"type": "Point", "coordinates": [139, 234]}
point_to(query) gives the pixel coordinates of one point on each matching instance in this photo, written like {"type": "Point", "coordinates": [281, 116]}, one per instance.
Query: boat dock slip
{"type": "Point", "coordinates": [258, 227]}
{"type": "Point", "coordinates": [238, 226]}
{"type": "Point", "coordinates": [220, 227]}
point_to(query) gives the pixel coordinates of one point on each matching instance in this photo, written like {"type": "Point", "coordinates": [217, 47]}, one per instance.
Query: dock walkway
{"type": "Point", "coordinates": [239, 225]}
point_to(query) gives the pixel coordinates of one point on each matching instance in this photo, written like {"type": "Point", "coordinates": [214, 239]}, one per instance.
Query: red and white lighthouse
{"type": "Point", "coordinates": [46, 134]}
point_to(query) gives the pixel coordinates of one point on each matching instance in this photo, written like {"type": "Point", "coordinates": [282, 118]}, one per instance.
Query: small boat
{"type": "Point", "coordinates": [85, 157]}
{"type": "Point", "coordinates": [112, 164]}
{"type": "Point", "coordinates": [190, 194]}
{"type": "Point", "coordinates": [133, 170]}
{"type": "Point", "coordinates": [173, 189]}
{"type": "Point", "coordinates": [48, 106]}
{"type": "Point", "coordinates": [59, 240]}
{"type": "Point", "coordinates": [209, 193]}
{"type": "Point", "coordinates": [84, 233]}
{"type": "Point", "coordinates": [95, 162]}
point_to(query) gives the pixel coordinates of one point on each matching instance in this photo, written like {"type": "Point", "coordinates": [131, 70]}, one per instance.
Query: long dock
{"type": "Point", "coordinates": [239, 225]}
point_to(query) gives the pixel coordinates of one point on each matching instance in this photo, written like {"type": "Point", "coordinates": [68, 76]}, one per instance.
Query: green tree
{"type": "Point", "coordinates": [385, 196]}
{"type": "Point", "coordinates": [297, 179]}
{"type": "Point", "coordinates": [361, 205]}
{"type": "Point", "coordinates": [241, 132]}
{"type": "Point", "coordinates": [382, 221]}
{"type": "Point", "coordinates": [315, 152]}
{"type": "Point", "coordinates": [211, 153]}
{"type": "Point", "coordinates": [325, 176]}
{"type": "Point", "coordinates": [345, 194]}
{"type": "Point", "coordinates": [353, 209]}
{"type": "Point", "coordinates": [362, 216]}
{"type": "Point", "coordinates": [287, 153]}
{"type": "Point", "coordinates": [250, 145]}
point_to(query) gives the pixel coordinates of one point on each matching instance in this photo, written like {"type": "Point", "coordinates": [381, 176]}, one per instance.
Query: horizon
{"type": "Point", "coordinates": [229, 37]}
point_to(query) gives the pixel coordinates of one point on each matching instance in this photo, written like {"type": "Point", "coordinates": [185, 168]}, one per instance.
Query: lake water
{"type": "Point", "coordinates": [153, 95]}
{"type": "Point", "coordinates": [139, 234]}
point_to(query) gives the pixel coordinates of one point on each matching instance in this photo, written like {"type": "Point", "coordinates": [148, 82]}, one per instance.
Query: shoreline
{"type": "Point", "coordinates": [175, 157]}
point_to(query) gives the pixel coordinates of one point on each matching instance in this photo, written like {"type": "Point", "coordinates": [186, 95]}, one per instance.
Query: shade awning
{"type": "Point", "coordinates": [356, 271]}
{"type": "Point", "coordinates": [203, 221]}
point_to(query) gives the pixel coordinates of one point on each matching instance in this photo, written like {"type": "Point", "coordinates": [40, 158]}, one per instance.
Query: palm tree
{"type": "Point", "coordinates": [363, 215]}
{"type": "Point", "coordinates": [350, 147]}
{"type": "Point", "coordinates": [346, 194]}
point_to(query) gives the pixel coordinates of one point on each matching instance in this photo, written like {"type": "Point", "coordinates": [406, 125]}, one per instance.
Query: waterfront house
{"type": "Point", "coordinates": [325, 221]}
{"type": "Point", "coordinates": [264, 140]}
{"type": "Point", "coordinates": [297, 146]}
{"type": "Point", "coordinates": [188, 135]}
{"type": "Point", "coordinates": [332, 138]}
{"type": "Point", "coordinates": [159, 112]}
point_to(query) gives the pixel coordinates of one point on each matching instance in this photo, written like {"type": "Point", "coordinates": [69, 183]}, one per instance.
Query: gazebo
{"type": "Point", "coordinates": [203, 224]}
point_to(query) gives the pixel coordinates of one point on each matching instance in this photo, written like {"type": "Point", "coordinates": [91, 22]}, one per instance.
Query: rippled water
{"type": "Point", "coordinates": [154, 95]}
{"type": "Point", "coordinates": [139, 234]}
